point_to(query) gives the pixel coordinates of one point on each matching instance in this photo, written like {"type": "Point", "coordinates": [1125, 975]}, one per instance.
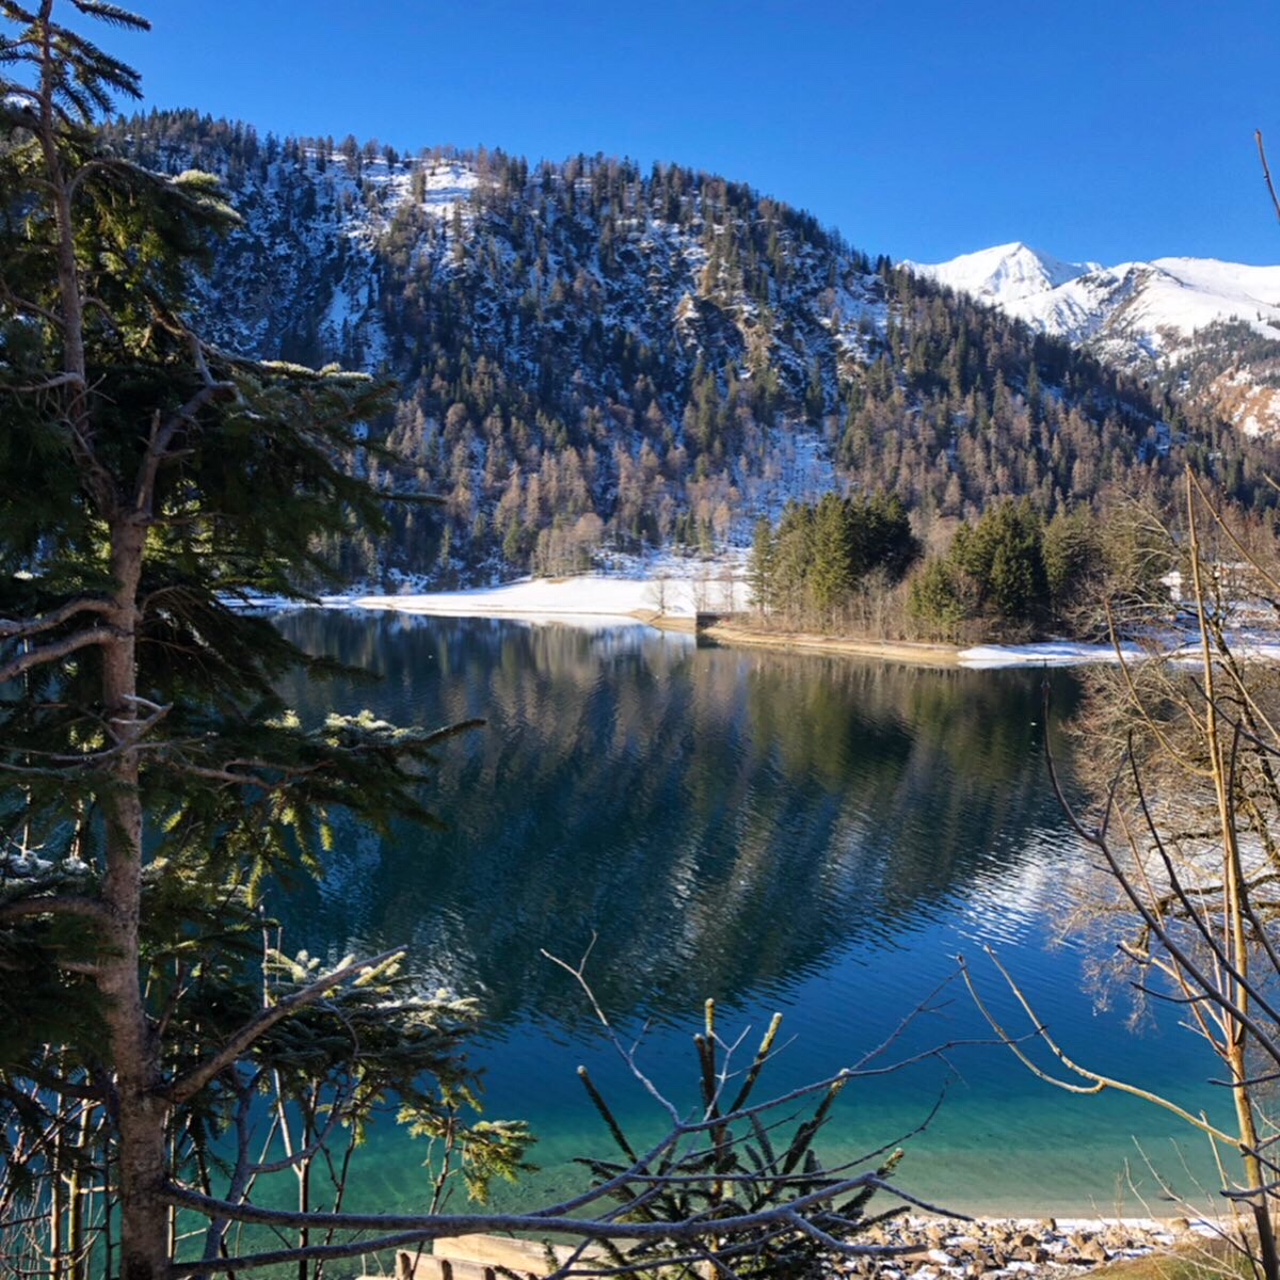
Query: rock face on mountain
{"type": "Point", "coordinates": [595, 360]}
{"type": "Point", "coordinates": [1208, 330]}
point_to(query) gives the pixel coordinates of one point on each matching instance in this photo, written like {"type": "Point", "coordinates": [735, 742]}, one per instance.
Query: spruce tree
{"type": "Point", "coordinates": [831, 575]}
{"type": "Point", "coordinates": [1002, 560]}
{"type": "Point", "coordinates": [761, 566]}
{"type": "Point", "coordinates": [151, 779]}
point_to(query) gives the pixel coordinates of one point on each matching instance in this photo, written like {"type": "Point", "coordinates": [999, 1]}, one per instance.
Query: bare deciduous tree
{"type": "Point", "coordinates": [1186, 830]}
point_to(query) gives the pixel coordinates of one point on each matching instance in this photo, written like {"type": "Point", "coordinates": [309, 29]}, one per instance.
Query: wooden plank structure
{"type": "Point", "coordinates": [483, 1257]}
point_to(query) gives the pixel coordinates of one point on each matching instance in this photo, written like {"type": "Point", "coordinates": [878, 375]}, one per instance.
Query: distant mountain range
{"type": "Point", "coordinates": [1210, 329]}
{"type": "Point", "coordinates": [594, 360]}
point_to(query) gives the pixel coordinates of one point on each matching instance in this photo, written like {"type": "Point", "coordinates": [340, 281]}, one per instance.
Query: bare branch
{"type": "Point", "coordinates": [1266, 172]}
{"type": "Point", "coordinates": [628, 1055]}
{"type": "Point", "coordinates": [1097, 1082]}
{"type": "Point", "coordinates": [433, 1226]}
{"type": "Point", "coordinates": [43, 655]}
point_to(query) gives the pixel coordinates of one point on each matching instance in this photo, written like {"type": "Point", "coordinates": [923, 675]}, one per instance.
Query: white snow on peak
{"type": "Point", "coordinates": [1139, 314]}
{"type": "Point", "coordinates": [1139, 304]}
{"type": "Point", "coordinates": [1004, 274]}
{"type": "Point", "coordinates": [1226, 288]}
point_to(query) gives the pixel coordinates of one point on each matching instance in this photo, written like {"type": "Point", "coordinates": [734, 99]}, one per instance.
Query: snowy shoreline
{"type": "Point", "coordinates": [673, 603]}
{"type": "Point", "coordinates": [596, 599]}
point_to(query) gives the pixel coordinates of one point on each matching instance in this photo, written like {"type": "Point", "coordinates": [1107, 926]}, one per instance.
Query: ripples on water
{"type": "Point", "coordinates": [812, 834]}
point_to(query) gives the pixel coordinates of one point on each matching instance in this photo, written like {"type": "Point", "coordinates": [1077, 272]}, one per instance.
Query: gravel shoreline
{"type": "Point", "coordinates": [914, 653]}
{"type": "Point", "coordinates": [947, 1249]}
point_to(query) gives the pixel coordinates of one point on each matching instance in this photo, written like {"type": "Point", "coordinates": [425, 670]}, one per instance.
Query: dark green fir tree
{"type": "Point", "coordinates": [151, 779]}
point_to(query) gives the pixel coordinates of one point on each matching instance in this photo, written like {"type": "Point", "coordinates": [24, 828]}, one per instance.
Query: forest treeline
{"type": "Point", "coordinates": [844, 565]}
{"type": "Point", "coordinates": [597, 359]}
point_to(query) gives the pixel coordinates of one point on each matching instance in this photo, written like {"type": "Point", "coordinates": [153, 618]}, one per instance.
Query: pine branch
{"type": "Point", "coordinates": [49, 384]}
{"type": "Point", "coordinates": [112, 14]}
{"type": "Point", "coordinates": [186, 1086]}
{"type": "Point", "coordinates": [64, 905]}
{"type": "Point", "coordinates": [158, 447]}
{"type": "Point", "coordinates": [27, 307]}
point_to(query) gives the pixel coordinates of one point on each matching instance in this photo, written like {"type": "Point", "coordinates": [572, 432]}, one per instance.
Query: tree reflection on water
{"type": "Point", "coordinates": [720, 821]}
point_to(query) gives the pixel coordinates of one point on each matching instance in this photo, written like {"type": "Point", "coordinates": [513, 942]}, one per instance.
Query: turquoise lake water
{"type": "Point", "coordinates": [799, 833]}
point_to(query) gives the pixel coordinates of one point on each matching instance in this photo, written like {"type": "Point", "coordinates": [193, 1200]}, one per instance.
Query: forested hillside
{"type": "Point", "coordinates": [595, 359]}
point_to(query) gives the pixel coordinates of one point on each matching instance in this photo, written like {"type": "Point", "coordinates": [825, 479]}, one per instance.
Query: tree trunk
{"type": "Point", "coordinates": [1235, 941]}
{"type": "Point", "coordinates": [142, 1114]}
{"type": "Point", "coordinates": [1255, 1175]}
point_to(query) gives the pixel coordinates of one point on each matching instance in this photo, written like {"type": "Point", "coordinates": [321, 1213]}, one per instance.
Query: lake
{"type": "Point", "coordinates": [815, 835]}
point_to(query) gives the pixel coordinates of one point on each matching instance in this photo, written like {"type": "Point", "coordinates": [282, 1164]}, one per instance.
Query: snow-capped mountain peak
{"type": "Point", "coordinates": [1141, 302]}
{"type": "Point", "coordinates": [1004, 274]}
{"type": "Point", "coordinates": [1215, 326]}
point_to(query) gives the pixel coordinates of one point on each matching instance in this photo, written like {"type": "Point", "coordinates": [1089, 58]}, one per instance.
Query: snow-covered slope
{"type": "Point", "coordinates": [1212, 326]}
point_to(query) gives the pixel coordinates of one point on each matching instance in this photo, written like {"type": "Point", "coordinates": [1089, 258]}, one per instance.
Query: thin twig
{"type": "Point", "coordinates": [1266, 172]}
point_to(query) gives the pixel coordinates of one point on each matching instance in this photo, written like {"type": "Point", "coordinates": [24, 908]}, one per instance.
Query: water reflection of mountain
{"type": "Point", "coordinates": [720, 820]}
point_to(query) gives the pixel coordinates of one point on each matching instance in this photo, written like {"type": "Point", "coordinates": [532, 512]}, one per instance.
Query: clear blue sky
{"type": "Point", "coordinates": [1092, 129]}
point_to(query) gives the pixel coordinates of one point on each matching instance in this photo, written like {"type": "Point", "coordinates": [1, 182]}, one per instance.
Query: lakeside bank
{"type": "Point", "coordinates": [678, 605]}
{"type": "Point", "coordinates": [738, 633]}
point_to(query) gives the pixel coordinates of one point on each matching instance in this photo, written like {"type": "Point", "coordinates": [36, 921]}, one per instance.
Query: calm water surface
{"type": "Point", "coordinates": [789, 832]}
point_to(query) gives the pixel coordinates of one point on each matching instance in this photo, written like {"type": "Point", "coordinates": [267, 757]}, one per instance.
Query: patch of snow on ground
{"type": "Point", "coordinates": [589, 596]}
{"type": "Point", "coordinates": [680, 588]}
{"type": "Point", "coordinates": [1182, 648]}
{"type": "Point", "coordinates": [1050, 653]}
{"type": "Point", "coordinates": [448, 183]}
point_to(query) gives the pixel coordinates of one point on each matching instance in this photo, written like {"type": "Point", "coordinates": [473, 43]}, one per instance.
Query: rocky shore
{"type": "Point", "coordinates": [946, 1249]}
{"type": "Point", "coordinates": [904, 1248]}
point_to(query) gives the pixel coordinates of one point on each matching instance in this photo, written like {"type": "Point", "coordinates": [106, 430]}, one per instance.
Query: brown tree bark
{"type": "Point", "coordinates": [142, 1113]}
